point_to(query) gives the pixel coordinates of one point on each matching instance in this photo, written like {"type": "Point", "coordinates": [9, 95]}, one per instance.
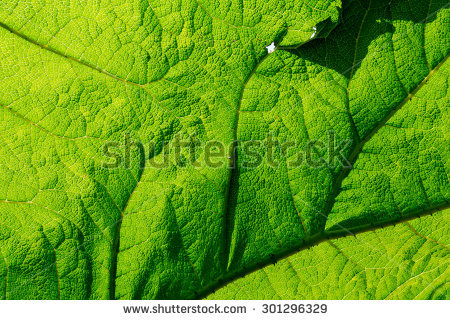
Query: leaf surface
{"type": "Point", "coordinates": [405, 261]}
{"type": "Point", "coordinates": [74, 78]}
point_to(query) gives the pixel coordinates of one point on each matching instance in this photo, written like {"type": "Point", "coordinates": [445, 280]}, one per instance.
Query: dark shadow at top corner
{"type": "Point", "coordinates": [345, 47]}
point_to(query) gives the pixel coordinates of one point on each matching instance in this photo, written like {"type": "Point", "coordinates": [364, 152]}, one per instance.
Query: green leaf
{"type": "Point", "coordinates": [76, 78]}
{"type": "Point", "coordinates": [405, 261]}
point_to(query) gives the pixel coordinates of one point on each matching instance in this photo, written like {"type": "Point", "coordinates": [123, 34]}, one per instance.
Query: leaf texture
{"type": "Point", "coordinates": [74, 77]}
